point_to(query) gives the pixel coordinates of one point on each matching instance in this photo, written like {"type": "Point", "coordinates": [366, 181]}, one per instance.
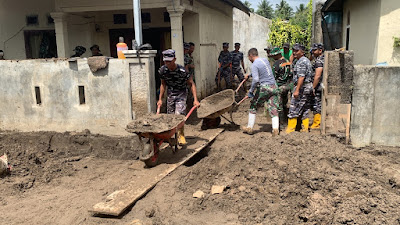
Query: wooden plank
{"type": "Point", "coordinates": [117, 202]}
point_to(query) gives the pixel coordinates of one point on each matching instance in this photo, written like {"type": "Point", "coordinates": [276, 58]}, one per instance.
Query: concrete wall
{"type": "Point", "coordinates": [388, 28]}
{"type": "Point", "coordinates": [364, 26]}
{"type": "Point", "coordinates": [107, 93]}
{"type": "Point", "coordinates": [376, 107]}
{"type": "Point", "coordinates": [251, 31]}
{"type": "Point", "coordinates": [13, 24]}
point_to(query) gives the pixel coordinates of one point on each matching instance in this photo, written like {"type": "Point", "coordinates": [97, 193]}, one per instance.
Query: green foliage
{"type": "Point", "coordinates": [396, 42]}
{"type": "Point", "coordinates": [297, 30]}
{"type": "Point", "coordinates": [283, 10]}
{"type": "Point", "coordinates": [248, 5]}
{"type": "Point", "coordinates": [265, 9]}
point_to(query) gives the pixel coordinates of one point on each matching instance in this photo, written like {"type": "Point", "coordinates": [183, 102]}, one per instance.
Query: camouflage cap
{"type": "Point", "coordinates": [79, 49]}
{"type": "Point", "coordinates": [298, 46]}
{"type": "Point", "coordinates": [186, 46]}
{"type": "Point", "coordinates": [286, 45]}
{"type": "Point", "coordinates": [316, 46]}
{"type": "Point", "coordinates": [275, 51]}
{"type": "Point", "coordinates": [225, 44]}
{"type": "Point", "coordinates": [237, 44]}
{"type": "Point", "coordinates": [168, 55]}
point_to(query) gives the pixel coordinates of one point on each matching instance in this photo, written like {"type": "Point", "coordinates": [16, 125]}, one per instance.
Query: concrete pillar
{"type": "Point", "coordinates": [175, 13]}
{"type": "Point", "coordinates": [61, 25]}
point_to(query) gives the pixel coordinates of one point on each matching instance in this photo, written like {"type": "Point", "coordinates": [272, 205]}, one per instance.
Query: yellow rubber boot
{"type": "Point", "coordinates": [316, 122]}
{"type": "Point", "coordinates": [292, 123]}
{"type": "Point", "coordinates": [181, 137]}
{"type": "Point", "coordinates": [305, 124]}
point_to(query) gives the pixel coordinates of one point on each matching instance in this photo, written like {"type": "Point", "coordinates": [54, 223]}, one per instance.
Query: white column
{"type": "Point", "coordinates": [61, 25]}
{"type": "Point", "coordinates": [137, 15]}
{"type": "Point", "coordinates": [175, 13]}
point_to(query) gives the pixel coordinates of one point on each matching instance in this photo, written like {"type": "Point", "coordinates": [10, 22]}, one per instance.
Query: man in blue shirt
{"type": "Point", "coordinates": [263, 89]}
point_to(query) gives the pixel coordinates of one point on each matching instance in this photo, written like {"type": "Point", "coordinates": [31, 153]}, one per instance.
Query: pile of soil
{"type": "Point", "coordinates": [41, 157]}
{"type": "Point", "coordinates": [155, 123]}
{"type": "Point", "coordinates": [295, 179]}
{"type": "Point", "coordinates": [215, 103]}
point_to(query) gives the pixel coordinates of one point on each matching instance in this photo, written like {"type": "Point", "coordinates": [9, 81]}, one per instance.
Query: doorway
{"type": "Point", "coordinates": [40, 44]}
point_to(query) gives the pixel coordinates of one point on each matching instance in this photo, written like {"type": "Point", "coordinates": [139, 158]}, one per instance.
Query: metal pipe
{"type": "Point", "coordinates": [137, 16]}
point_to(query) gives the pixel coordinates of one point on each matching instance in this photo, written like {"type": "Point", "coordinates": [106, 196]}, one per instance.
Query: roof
{"type": "Point", "coordinates": [333, 6]}
{"type": "Point", "coordinates": [238, 4]}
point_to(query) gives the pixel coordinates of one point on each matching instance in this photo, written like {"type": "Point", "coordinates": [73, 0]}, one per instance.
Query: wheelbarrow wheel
{"type": "Point", "coordinates": [149, 154]}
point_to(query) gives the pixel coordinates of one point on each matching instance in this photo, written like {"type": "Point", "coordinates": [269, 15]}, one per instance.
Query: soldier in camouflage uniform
{"type": "Point", "coordinates": [188, 59]}
{"type": "Point", "coordinates": [318, 66]}
{"type": "Point", "coordinates": [224, 71]}
{"type": "Point", "coordinates": [284, 80]}
{"type": "Point", "coordinates": [237, 61]}
{"type": "Point", "coordinates": [301, 98]}
{"type": "Point", "coordinates": [263, 89]}
{"type": "Point", "coordinates": [175, 79]}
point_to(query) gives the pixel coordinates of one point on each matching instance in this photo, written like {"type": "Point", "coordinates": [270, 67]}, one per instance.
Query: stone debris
{"type": "Point", "coordinates": [215, 189]}
{"type": "Point", "coordinates": [198, 194]}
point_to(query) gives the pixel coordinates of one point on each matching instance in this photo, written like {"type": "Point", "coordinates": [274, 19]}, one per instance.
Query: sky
{"type": "Point", "coordinates": [292, 3]}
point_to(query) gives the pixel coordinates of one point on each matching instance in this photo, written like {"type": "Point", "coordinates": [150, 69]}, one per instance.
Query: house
{"type": "Point", "coordinates": [41, 89]}
{"type": "Point", "coordinates": [367, 27]}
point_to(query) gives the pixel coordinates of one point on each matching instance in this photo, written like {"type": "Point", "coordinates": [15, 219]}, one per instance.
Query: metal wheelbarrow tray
{"type": "Point", "coordinates": [217, 104]}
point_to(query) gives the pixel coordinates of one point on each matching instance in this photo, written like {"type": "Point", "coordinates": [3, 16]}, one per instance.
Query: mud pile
{"type": "Point", "coordinates": [43, 156]}
{"type": "Point", "coordinates": [295, 179]}
{"type": "Point", "coordinates": [153, 123]}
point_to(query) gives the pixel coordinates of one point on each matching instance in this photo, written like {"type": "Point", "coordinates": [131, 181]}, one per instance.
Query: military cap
{"type": "Point", "coordinates": [286, 45]}
{"type": "Point", "coordinates": [80, 49]}
{"type": "Point", "coordinates": [225, 44]}
{"type": "Point", "coordinates": [95, 46]}
{"type": "Point", "coordinates": [237, 44]}
{"type": "Point", "coordinates": [275, 51]}
{"type": "Point", "coordinates": [186, 46]}
{"type": "Point", "coordinates": [316, 46]}
{"type": "Point", "coordinates": [298, 46]}
{"type": "Point", "coordinates": [168, 55]}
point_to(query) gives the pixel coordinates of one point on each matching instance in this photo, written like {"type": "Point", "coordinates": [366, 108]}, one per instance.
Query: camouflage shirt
{"type": "Point", "coordinates": [176, 80]}
{"type": "Point", "coordinates": [318, 63]}
{"type": "Point", "coordinates": [282, 74]}
{"type": "Point", "coordinates": [303, 68]}
{"type": "Point", "coordinates": [189, 61]}
{"type": "Point", "coordinates": [224, 58]}
{"type": "Point", "coordinates": [237, 58]}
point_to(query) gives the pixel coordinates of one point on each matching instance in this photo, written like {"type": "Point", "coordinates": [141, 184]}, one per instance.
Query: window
{"type": "Point", "coordinates": [37, 96]}
{"type": "Point", "coordinates": [146, 18]}
{"type": "Point", "coordinates": [32, 20]}
{"type": "Point", "coordinates": [120, 19]}
{"type": "Point", "coordinates": [82, 99]}
{"type": "Point", "coordinates": [50, 20]}
{"type": "Point", "coordinates": [166, 17]}
{"type": "Point", "coordinates": [348, 31]}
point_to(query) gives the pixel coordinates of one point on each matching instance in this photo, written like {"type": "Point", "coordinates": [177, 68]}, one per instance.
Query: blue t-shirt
{"type": "Point", "coordinates": [262, 73]}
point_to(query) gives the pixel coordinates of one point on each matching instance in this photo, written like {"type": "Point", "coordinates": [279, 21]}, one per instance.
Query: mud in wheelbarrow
{"type": "Point", "coordinates": [214, 106]}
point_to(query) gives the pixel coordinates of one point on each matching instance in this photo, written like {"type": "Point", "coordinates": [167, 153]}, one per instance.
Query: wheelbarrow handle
{"type": "Point", "coordinates": [241, 101]}
{"type": "Point", "coordinates": [190, 112]}
{"type": "Point", "coordinates": [158, 109]}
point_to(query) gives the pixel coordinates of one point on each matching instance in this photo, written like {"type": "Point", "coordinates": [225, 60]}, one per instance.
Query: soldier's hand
{"type": "Point", "coordinates": [246, 77]}
{"type": "Point", "coordinates": [196, 103]}
{"type": "Point", "coordinates": [244, 71]}
{"type": "Point", "coordinates": [313, 92]}
{"type": "Point", "coordinates": [296, 94]}
{"type": "Point", "coordinates": [159, 103]}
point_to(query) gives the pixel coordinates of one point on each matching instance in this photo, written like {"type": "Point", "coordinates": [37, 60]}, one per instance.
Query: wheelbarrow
{"type": "Point", "coordinates": [214, 106]}
{"type": "Point", "coordinates": [155, 131]}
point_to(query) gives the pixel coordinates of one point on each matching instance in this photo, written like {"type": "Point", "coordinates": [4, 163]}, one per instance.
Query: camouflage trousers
{"type": "Point", "coordinates": [238, 72]}
{"type": "Point", "coordinates": [266, 93]}
{"type": "Point", "coordinates": [300, 107]}
{"type": "Point", "coordinates": [225, 74]}
{"type": "Point", "coordinates": [176, 102]}
{"type": "Point", "coordinates": [317, 102]}
{"type": "Point", "coordinates": [283, 100]}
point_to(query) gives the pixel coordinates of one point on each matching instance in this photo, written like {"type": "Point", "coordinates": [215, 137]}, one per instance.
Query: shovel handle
{"type": "Point", "coordinates": [190, 112]}
{"type": "Point", "coordinates": [240, 85]}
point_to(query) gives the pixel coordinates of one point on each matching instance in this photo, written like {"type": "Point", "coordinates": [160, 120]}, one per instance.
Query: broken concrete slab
{"type": "Point", "coordinates": [198, 194]}
{"type": "Point", "coordinates": [216, 189]}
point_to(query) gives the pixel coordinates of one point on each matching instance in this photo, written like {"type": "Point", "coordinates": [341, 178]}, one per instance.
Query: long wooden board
{"type": "Point", "coordinates": [117, 202]}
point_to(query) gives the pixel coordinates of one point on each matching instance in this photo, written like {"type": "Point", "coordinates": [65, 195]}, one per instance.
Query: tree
{"type": "Point", "coordinates": [248, 5]}
{"type": "Point", "coordinates": [301, 8]}
{"type": "Point", "coordinates": [283, 10]}
{"type": "Point", "coordinates": [265, 9]}
{"type": "Point", "coordinates": [301, 17]}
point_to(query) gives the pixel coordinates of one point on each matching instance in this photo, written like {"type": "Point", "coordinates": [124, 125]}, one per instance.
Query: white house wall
{"type": "Point", "coordinates": [13, 23]}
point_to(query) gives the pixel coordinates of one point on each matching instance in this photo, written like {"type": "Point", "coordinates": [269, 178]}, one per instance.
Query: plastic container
{"type": "Point", "coordinates": [120, 47]}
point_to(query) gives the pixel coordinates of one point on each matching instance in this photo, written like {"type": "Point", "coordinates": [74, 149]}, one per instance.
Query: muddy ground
{"type": "Point", "coordinates": [294, 179]}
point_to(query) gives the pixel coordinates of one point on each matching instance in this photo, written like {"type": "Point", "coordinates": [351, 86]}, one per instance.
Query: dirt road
{"type": "Point", "coordinates": [295, 179]}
